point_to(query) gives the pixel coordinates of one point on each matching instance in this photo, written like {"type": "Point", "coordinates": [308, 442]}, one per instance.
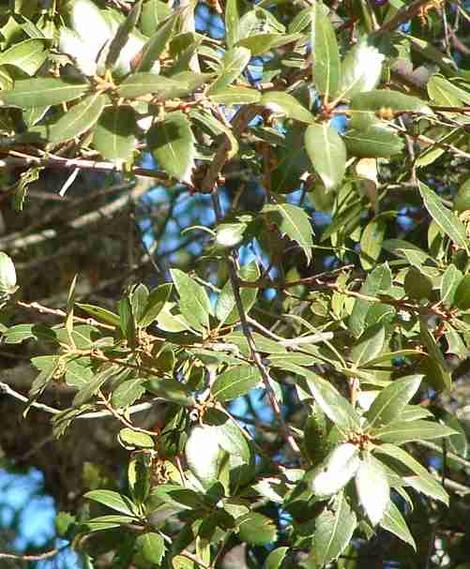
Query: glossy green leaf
{"type": "Point", "coordinates": [152, 15]}
{"type": "Point", "coordinates": [445, 219]}
{"type": "Point", "coordinates": [449, 283]}
{"type": "Point", "coordinates": [164, 88]}
{"type": "Point", "coordinates": [102, 523]}
{"type": "Point", "coordinates": [374, 142]}
{"type": "Point", "coordinates": [275, 558]}
{"type": "Point", "coordinates": [334, 405]}
{"type": "Point", "coordinates": [157, 43]}
{"type": "Point", "coordinates": [172, 143]}
{"type": "Point", "coordinates": [233, 63]}
{"type": "Point", "coordinates": [27, 55]}
{"type": "Point", "coordinates": [294, 222]}
{"type": "Point", "coordinates": [372, 488]}
{"type": "Point", "coordinates": [391, 401]}
{"type": "Point", "coordinates": [194, 302]}
{"type": "Point", "coordinates": [232, 19]}
{"type": "Point", "coordinates": [361, 69]}
{"type": "Point", "coordinates": [122, 35]}
{"type": "Point", "coordinates": [395, 523]}
{"type": "Point", "coordinates": [256, 529]}
{"type": "Point", "coordinates": [151, 547]}
{"type": "Point", "coordinates": [235, 95]}
{"type": "Point", "coordinates": [399, 432]}
{"type": "Point", "coordinates": [326, 59]}
{"type": "Point", "coordinates": [127, 393]}
{"type": "Point", "coordinates": [369, 345]}
{"type": "Point", "coordinates": [428, 486]}
{"type": "Point", "coordinates": [78, 119]}
{"type": "Point", "coordinates": [334, 528]}
{"type": "Point", "coordinates": [405, 458]}
{"type": "Point", "coordinates": [377, 100]}
{"type": "Point", "coordinates": [263, 43]}
{"type": "Point", "coordinates": [327, 153]}
{"type": "Point", "coordinates": [39, 92]}
{"type": "Point", "coordinates": [286, 104]}
{"type": "Point", "coordinates": [130, 438]}
{"type": "Point", "coordinates": [113, 500]}
{"type": "Point", "coordinates": [371, 242]}
{"type": "Point", "coordinates": [155, 303]}
{"type": "Point", "coordinates": [462, 293]}
{"type": "Point", "coordinates": [336, 471]}
{"type": "Point", "coordinates": [115, 134]}
{"type": "Point", "coordinates": [101, 314]}
{"type": "Point", "coordinates": [235, 382]}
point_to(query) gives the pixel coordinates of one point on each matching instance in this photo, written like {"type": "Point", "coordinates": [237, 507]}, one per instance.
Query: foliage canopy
{"type": "Point", "coordinates": [285, 382]}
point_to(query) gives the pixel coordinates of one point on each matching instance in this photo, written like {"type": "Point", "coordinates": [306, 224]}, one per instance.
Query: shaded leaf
{"type": "Point", "coordinates": [172, 144]}
{"type": "Point", "coordinates": [78, 119]}
{"type": "Point", "coordinates": [256, 529]}
{"type": "Point", "coordinates": [235, 382]}
{"type": "Point", "coordinates": [115, 134]}
{"type": "Point", "coordinates": [395, 523]}
{"type": "Point", "coordinates": [39, 92]}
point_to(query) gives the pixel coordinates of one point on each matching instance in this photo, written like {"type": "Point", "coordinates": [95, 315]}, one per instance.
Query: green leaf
{"type": "Point", "coordinates": [449, 283]}
{"type": "Point", "coordinates": [435, 366]}
{"type": "Point", "coordinates": [447, 221]}
{"type": "Point", "coordinates": [157, 43]}
{"type": "Point", "coordinates": [39, 92]}
{"type": "Point", "coordinates": [235, 95]}
{"type": "Point", "coordinates": [127, 393]}
{"type": "Point", "coordinates": [361, 69]}
{"type": "Point", "coordinates": [235, 382]}
{"type": "Point", "coordinates": [262, 43]}
{"type": "Point", "coordinates": [101, 314]}
{"type": "Point", "coordinates": [233, 63]}
{"type": "Point", "coordinates": [275, 558]}
{"type": "Point", "coordinates": [372, 488]}
{"type": "Point", "coordinates": [377, 281]}
{"type": "Point", "coordinates": [232, 19]}
{"type": "Point", "coordinates": [113, 500]}
{"type": "Point", "coordinates": [20, 332]}
{"type": "Point", "coordinates": [417, 285]}
{"type": "Point", "coordinates": [286, 104]}
{"type": "Point", "coordinates": [336, 470]}
{"type": "Point", "coordinates": [399, 432]}
{"type": "Point", "coordinates": [327, 153]}
{"type": "Point", "coordinates": [432, 486]}
{"type": "Point", "coordinates": [369, 345]}
{"type": "Point", "coordinates": [171, 141]}
{"type": "Point", "coordinates": [428, 486]}
{"type": "Point", "coordinates": [151, 547]}
{"type": "Point", "coordinates": [334, 528]}
{"type": "Point", "coordinates": [373, 142]}
{"type": "Point", "coordinates": [78, 119]}
{"type": "Point", "coordinates": [102, 523]}
{"type": "Point", "coordinates": [256, 529]}
{"type": "Point", "coordinates": [294, 222]}
{"type": "Point", "coordinates": [122, 35]}
{"type": "Point", "coordinates": [130, 438]}
{"type": "Point", "coordinates": [462, 294]}
{"type": "Point", "coordinates": [395, 523]}
{"type": "Point", "coordinates": [334, 405]}
{"type": "Point", "coordinates": [152, 15]}
{"type": "Point", "coordinates": [27, 55]}
{"type": "Point", "coordinates": [155, 303]}
{"type": "Point", "coordinates": [392, 400]}
{"type": "Point", "coordinates": [371, 242]}
{"type": "Point", "coordinates": [326, 59]}
{"type": "Point", "coordinates": [226, 308]}
{"type": "Point", "coordinates": [85, 394]}
{"type": "Point", "coordinates": [194, 303]}
{"type": "Point", "coordinates": [379, 99]}
{"type": "Point", "coordinates": [203, 453]}
{"type": "Point", "coordinates": [127, 321]}
{"type": "Point", "coordinates": [115, 134]}
{"type": "Point", "coordinates": [139, 84]}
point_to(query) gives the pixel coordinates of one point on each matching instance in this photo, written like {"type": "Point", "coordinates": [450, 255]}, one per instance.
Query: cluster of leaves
{"type": "Point", "coordinates": [353, 356]}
